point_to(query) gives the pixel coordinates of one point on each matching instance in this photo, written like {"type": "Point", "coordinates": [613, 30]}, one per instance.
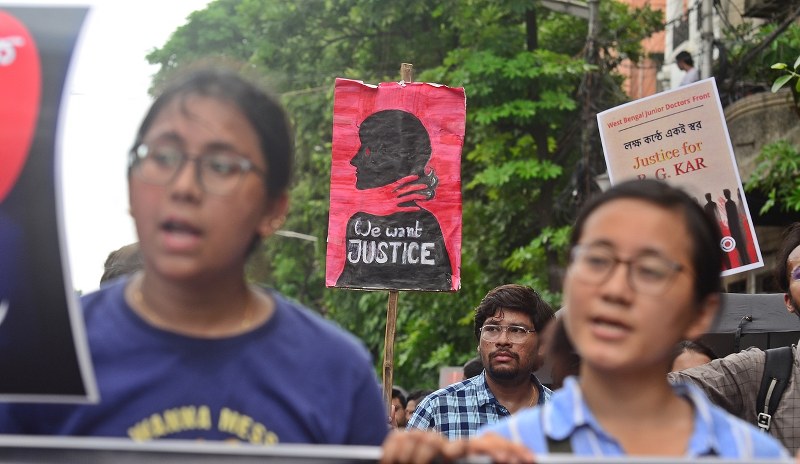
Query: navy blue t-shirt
{"type": "Point", "coordinates": [298, 378]}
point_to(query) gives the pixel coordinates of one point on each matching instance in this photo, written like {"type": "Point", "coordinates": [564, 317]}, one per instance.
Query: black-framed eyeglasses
{"type": "Point", "coordinates": [648, 273]}
{"type": "Point", "coordinates": [514, 333]}
{"type": "Point", "coordinates": [218, 172]}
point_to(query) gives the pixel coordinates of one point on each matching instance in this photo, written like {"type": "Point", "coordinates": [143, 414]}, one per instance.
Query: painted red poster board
{"type": "Point", "coordinates": [680, 136]}
{"type": "Point", "coordinates": [395, 215]}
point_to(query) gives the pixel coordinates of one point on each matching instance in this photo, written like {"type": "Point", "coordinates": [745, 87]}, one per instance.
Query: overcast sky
{"type": "Point", "coordinates": [106, 99]}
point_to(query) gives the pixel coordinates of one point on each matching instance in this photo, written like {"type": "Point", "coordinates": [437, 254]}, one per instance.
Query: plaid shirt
{"type": "Point", "coordinates": [733, 382]}
{"type": "Point", "coordinates": [567, 416]}
{"type": "Point", "coordinates": [460, 409]}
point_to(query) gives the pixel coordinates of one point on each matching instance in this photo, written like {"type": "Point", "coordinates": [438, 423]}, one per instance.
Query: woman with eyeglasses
{"type": "Point", "coordinates": [644, 273]}
{"type": "Point", "coordinates": [187, 348]}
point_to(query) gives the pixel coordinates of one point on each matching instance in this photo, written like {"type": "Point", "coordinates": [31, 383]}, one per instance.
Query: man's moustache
{"type": "Point", "coordinates": [504, 353]}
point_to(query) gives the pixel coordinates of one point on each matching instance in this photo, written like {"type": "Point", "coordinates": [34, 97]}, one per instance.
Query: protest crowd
{"type": "Point", "coordinates": [184, 347]}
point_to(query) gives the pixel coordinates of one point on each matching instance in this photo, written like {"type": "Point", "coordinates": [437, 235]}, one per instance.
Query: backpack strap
{"type": "Point", "coordinates": [777, 371]}
{"type": "Point", "coordinates": [559, 446]}
{"type": "Point", "coordinates": [553, 446]}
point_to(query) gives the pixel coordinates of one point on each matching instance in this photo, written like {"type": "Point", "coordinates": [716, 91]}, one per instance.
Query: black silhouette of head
{"type": "Point", "coordinates": [394, 144]}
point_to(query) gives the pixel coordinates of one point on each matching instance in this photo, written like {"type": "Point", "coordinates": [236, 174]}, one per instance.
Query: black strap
{"type": "Point", "coordinates": [738, 335]}
{"type": "Point", "coordinates": [777, 371]}
{"type": "Point", "coordinates": [559, 446]}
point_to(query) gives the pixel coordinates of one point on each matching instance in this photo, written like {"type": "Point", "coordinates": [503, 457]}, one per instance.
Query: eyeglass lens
{"type": "Point", "coordinates": [648, 273]}
{"type": "Point", "coordinates": [514, 333]}
{"type": "Point", "coordinates": [217, 173]}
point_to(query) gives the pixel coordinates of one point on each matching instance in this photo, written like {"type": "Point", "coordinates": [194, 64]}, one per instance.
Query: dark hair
{"type": "Point", "coordinates": [473, 367]}
{"type": "Point", "coordinates": [517, 298]}
{"type": "Point", "coordinates": [261, 109]}
{"type": "Point", "coordinates": [791, 240]}
{"type": "Point", "coordinates": [704, 232]}
{"type": "Point", "coordinates": [126, 260]}
{"type": "Point", "coordinates": [693, 345]}
{"type": "Point", "coordinates": [400, 394]}
{"type": "Point", "coordinates": [564, 358]}
{"type": "Point", "coordinates": [417, 395]}
{"type": "Point", "coordinates": [686, 57]}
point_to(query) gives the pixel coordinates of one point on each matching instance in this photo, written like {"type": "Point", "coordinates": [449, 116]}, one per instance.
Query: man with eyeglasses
{"type": "Point", "coordinates": [508, 322]}
{"type": "Point", "coordinates": [733, 382]}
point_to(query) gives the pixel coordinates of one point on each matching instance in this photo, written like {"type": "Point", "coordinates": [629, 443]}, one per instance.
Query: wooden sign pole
{"type": "Point", "coordinates": [406, 75]}
{"type": "Point", "coordinates": [407, 72]}
{"type": "Point", "coordinates": [388, 349]}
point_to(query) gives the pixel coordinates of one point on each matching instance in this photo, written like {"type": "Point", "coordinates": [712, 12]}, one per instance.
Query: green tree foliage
{"type": "Point", "coordinates": [789, 74]}
{"type": "Point", "coordinates": [777, 173]}
{"type": "Point", "coordinates": [777, 170]}
{"type": "Point", "coordinates": [522, 170]}
{"type": "Point", "coordinates": [740, 40]}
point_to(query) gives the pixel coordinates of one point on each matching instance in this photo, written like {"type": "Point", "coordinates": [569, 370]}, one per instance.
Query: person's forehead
{"type": "Point", "coordinates": [794, 257]}
{"type": "Point", "coordinates": [639, 226]}
{"type": "Point", "coordinates": [510, 316]}
{"type": "Point", "coordinates": [206, 113]}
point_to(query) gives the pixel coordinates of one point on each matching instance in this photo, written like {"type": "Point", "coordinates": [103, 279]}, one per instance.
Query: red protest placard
{"type": "Point", "coordinates": [395, 215]}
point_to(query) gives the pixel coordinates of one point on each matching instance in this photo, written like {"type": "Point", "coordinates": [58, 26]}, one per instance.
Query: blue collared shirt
{"type": "Point", "coordinates": [566, 416]}
{"type": "Point", "coordinates": [460, 409]}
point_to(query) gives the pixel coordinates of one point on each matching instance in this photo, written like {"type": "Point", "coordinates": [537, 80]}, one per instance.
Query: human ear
{"type": "Point", "coordinates": [787, 300]}
{"type": "Point", "coordinates": [274, 216]}
{"type": "Point", "coordinates": [706, 312]}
